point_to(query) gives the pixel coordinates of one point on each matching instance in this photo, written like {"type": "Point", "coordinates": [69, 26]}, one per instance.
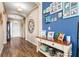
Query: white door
{"type": "Point", "coordinates": [16, 29]}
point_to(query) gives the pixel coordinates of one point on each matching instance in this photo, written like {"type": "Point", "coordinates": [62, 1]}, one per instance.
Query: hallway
{"type": "Point", "coordinates": [22, 20]}
{"type": "Point", "coordinates": [18, 47]}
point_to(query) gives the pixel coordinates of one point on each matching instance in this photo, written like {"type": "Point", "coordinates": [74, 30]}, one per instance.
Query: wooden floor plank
{"type": "Point", "coordinates": [18, 47]}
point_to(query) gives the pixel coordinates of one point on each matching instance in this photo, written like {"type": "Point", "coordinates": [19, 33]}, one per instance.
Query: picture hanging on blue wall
{"type": "Point", "coordinates": [55, 17]}
{"type": "Point", "coordinates": [60, 15]}
{"type": "Point", "coordinates": [59, 6]}
{"type": "Point", "coordinates": [52, 18]}
{"type": "Point", "coordinates": [48, 19]}
{"type": "Point", "coordinates": [55, 7]}
{"type": "Point", "coordinates": [66, 9]}
{"type": "Point", "coordinates": [51, 8]}
{"type": "Point", "coordinates": [46, 10]}
{"type": "Point", "coordinates": [74, 9]}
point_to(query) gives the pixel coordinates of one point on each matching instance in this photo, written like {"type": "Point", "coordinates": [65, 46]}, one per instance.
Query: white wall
{"type": "Point", "coordinates": [2, 28]}
{"type": "Point", "coordinates": [31, 37]}
{"type": "Point", "coordinates": [23, 28]}
{"type": "Point", "coordinates": [36, 16]}
{"type": "Point", "coordinates": [16, 28]}
{"type": "Point", "coordinates": [5, 28]}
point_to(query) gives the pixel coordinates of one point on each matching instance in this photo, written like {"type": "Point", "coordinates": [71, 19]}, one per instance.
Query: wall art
{"type": "Point", "coordinates": [31, 25]}
{"type": "Point", "coordinates": [60, 15]}
{"type": "Point", "coordinates": [59, 6]}
{"type": "Point", "coordinates": [55, 7]}
{"type": "Point", "coordinates": [48, 19]}
{"type": "Point", "coordinates": [66, 9]}
{"type": "Point", "coordinates": [46, 10]}
{"type": "Point", "coordinates": [52, 8]}
{"type": "Point", "coordinates": [74, 9]}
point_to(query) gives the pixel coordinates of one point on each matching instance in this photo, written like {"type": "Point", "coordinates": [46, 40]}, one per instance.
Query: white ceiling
{"type": "Point", "coordinates": [18, 10]}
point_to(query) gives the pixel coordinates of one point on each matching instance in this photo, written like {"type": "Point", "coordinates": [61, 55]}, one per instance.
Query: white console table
{"type": "Point", "coordinates": [67, 49]}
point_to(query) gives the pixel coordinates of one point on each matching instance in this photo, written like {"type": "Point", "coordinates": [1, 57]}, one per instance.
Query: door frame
{"type": "Point", "coordinates": [8, 31]}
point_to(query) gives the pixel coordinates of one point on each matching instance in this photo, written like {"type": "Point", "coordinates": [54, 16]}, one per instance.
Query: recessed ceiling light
{"type": "Point", "coordinates": [19, 9]}
{"type": "Point", "coordinates": [19, 6]}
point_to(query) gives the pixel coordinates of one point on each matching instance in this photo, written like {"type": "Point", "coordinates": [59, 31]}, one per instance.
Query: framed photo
{"type": "Point", "coordinates": [55, 18]}
{"type": "Point", "coordinates": [44, 11]}
{"type": "Point", "coordinates": [59, 6]}
{"type": "Point", "coordinates": [52, 18]}
{"type": "Point", "coordinates": [50, 35]}
{"type": "Point", "coordinates": [48, 19]}
{"type": "Point", "coordinates": [60, 15]}
{"type": "Point", "coordinates": [74, 4]}
{"type": "Point", "coordinates": [74, 9]}
{"type": "Point", "coordinates": [48, 9]}
{"type": "Point", "coordinates": [43, 33]}
{"type": "Point", "coordinates": [51, 8]}
{"type": "Point", "coordinates": [66, 9]}
{"type": "Point", "coordinates": [55, 7]}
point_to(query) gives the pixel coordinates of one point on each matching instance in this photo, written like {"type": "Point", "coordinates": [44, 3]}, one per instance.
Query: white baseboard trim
{"type": "Point", "coordinates": [32, 42]}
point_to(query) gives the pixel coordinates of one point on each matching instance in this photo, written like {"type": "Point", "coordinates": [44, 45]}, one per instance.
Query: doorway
{"type": "Point", "coordinates": [8, 31]}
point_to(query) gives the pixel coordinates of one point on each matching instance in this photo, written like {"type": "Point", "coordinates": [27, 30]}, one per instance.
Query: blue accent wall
{"type": "Point", "coordinates": [68, 26]}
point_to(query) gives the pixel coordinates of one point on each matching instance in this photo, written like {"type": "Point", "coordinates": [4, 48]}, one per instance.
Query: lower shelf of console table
{"type": "Point", "coordinates": [67, 49]}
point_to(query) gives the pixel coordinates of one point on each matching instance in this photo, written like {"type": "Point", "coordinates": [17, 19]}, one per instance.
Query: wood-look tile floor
{"type": "Point", "coordinates": [19, 47]}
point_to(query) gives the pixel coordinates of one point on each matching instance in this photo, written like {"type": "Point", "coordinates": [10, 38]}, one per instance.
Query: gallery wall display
{"type": "Point", "coordinates": [51, 10]}
{"type": "Point", "coordinates": [62, 9]}
{"type": "Point", "coordinates": [70, 9]}
{"type": "Point", "coordinates": [31, 25]}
